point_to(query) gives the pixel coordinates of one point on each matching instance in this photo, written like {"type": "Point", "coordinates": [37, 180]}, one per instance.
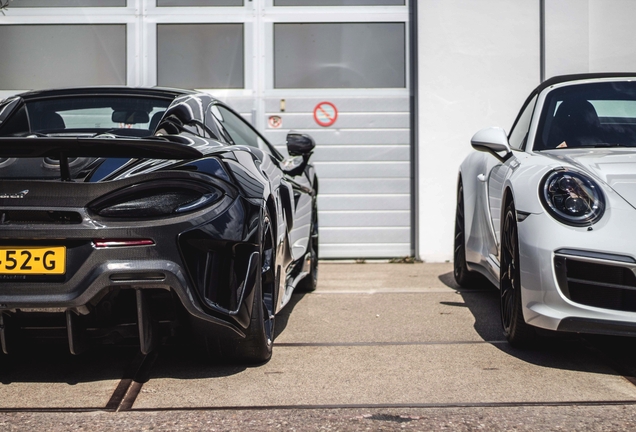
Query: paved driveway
{"type": "Point", "coordinates": [379, 346]}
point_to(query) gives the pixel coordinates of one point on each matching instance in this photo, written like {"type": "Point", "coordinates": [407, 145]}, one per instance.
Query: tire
{"type": "Point", "coordinates": [464, 277]}
{"type": "Point", "coordinates": [256, 347]}
{"type": "Point", "coordinates": [310, 282]}
{"type": "Point", "coordinates": [516, 330]}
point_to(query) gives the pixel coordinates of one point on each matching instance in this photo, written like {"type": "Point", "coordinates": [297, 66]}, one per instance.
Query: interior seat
{"type": "Point", "coordinates": [576, 124]}
{"type": "Point", "coordinates": [49, 120]}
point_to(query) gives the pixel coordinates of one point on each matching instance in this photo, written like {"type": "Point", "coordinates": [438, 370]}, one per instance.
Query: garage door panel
{"type": "Point", "coordinates": [362, 162]}
{"type": "Point", "coordinates": [364, 250]}
{"type": "Point", "coordinates": [365, 186]}
{"type": "Point", "coordinates": [361, 153]}
{"type": "Point", "coordinates": [94, 55]}
{"type": "Point", "coordinates": [364, 202]}
{"type": "Point", "coordinates": [346, 120]}
{"type": "Point", "coordinates": [348, 104]}
{"type": "Point", "coordinates": [345, 137]}
{"type": "Point", "coordinates": [363, 169]}
{"type": "Point", "coordinates": [365, 235]}
{"type": "Point", "coordinates": [351, 218]}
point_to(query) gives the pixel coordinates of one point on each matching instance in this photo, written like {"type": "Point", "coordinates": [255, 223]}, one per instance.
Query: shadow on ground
{"type": "Point", "coordinates": [180, 359]}
{"type": "Point", "coordinates": [54, 364]}
{"type": "Point", "coordinates": [568, 351]}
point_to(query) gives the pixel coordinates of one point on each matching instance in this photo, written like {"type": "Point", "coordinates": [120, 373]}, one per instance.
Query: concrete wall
{"type": "Point", "coordinates": [478, 60]}
{"type": "Point", "coordinates": [590, 36]}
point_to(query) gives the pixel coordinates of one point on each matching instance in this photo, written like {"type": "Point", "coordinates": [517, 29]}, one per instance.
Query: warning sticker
{"type": "Point", "coordinates": [275, 122]}
{"type": "Point", "coordinates": [325, 114]}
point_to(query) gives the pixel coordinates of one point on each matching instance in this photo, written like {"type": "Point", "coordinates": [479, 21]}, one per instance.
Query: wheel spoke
{"type": "Point", "coordinates": [509, 280]}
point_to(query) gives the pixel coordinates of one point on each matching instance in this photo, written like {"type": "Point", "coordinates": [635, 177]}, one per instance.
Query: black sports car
{"type": "Point", "coordinates": [129, 212]}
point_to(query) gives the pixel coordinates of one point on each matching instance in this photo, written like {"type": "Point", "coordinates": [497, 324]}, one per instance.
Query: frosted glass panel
{"type": "Point", "coordinates": [337, 2]}
{"type": "Point", "coordinates": [45, 56]}
{"type": "Point", "coordinates": [66, 3]}
{"type": "Point", "coordinates": [199, 2]}
{"type": "Point", "coordinates": [340, 55]}
{"type": "Point", "coordinates": [200, 55]}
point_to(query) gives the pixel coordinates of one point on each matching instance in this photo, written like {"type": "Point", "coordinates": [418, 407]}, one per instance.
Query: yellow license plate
{"type": "Point", "coordinates": [33, 260]}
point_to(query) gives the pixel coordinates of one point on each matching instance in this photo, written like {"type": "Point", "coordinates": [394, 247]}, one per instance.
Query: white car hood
{"type": "Point", "coordinates": [615, 167]}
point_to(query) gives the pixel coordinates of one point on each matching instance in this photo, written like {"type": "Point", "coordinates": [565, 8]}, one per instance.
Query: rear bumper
{"type": "Point", "coordinates": [181, 252]}
{"type": "Point", "coordinates": [138, 275]}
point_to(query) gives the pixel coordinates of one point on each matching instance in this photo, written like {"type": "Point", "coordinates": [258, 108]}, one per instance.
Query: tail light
{"type": "Point", "coordinates": [156, 199]}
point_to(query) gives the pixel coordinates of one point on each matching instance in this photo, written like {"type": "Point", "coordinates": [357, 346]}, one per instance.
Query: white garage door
{"type": "Point", "coordinates": [336, 69]}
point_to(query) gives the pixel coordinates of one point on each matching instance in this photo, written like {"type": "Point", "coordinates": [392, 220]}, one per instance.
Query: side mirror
{"type": "Point", "coordinates": [300, 144]}
{"type": "Point", "coordinates": [300, 147]}
{"type": "Point", "coordinates": [492, 140]}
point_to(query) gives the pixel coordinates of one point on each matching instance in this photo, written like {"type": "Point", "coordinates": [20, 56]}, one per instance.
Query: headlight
{"type": "Point", "coordinates": [572, 198]}
{"type": "Point", "coordinates": [155, 199]}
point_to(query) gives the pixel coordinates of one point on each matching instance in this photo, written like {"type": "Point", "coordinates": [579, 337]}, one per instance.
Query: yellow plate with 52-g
{"type": "Point", "coordinates": [33, 260]}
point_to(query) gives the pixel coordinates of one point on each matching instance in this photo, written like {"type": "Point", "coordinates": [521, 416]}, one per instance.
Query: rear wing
{"type": "Point", "coordinates": [147, 148]}
{"type": "Point", "coordinates": [65, 147]}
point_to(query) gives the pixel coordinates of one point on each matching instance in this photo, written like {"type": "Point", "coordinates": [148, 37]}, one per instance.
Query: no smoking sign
{"type": "Point", "coordinates": [325, 114]}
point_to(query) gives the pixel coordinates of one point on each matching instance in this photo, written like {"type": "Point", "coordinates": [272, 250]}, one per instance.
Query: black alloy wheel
{"type": "Point", "coordinates": [517, 331]}
{"type": "Point", "coordinates": [256, 347]}
{"type": "Point", "coordinates": [270, 277]}
{"type": "Point", "coordinates": [310, 282]}
{"type": "Point", "coordinates": [464, 277]}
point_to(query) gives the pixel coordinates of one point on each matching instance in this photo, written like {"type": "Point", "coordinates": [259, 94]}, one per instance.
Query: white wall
{"type": "Point", "coordinates": [590, 36]}
{"type": "Point", "coordinates": [612, 35]}
{"type": "Point", "coordinates": [567, 37]}
{"type": "Point", "coordinates": [478, 61]}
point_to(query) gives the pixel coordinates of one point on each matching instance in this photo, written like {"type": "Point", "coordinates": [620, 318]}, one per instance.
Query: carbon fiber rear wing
{"type": "Point", "coordinates": [65, 147]}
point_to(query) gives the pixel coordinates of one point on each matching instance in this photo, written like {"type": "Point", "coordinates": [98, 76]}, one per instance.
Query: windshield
{"type": "Point", "coordinates": [120, 115]}
{"type": "Point", "coordinates": [589, 115]}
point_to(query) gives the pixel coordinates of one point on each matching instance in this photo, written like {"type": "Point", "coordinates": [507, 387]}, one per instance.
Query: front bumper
{"type": "Point", "coordinates": [561, 287]}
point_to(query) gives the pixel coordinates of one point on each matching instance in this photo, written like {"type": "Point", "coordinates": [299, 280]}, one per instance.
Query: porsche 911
{"type": "Point", "coordinates": [546, 212]}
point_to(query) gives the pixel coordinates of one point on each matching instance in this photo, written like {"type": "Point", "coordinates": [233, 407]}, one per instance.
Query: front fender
{"type": "Point", "coordinates": [523, 181]}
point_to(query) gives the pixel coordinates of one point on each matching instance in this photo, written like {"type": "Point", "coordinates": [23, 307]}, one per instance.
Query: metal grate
{"type": "Point", "coordinates": [598, 285]}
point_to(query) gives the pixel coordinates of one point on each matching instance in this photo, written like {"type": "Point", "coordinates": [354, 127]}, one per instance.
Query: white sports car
{"type": "Point", "coordinates": [548, 212]}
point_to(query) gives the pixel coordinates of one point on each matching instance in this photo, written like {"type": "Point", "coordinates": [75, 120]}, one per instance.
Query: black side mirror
{"type": "Point", "coordinates": [300, 144]}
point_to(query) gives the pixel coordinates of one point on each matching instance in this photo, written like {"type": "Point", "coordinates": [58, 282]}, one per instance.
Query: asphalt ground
{"type": "Point", "coordinates": [377, 346]}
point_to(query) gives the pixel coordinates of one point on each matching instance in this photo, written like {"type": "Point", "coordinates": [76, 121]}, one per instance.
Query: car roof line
{"type": "Point", "coordinates": [105, 91]}
{"type": "Point", "coordinates": [580, 77]}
